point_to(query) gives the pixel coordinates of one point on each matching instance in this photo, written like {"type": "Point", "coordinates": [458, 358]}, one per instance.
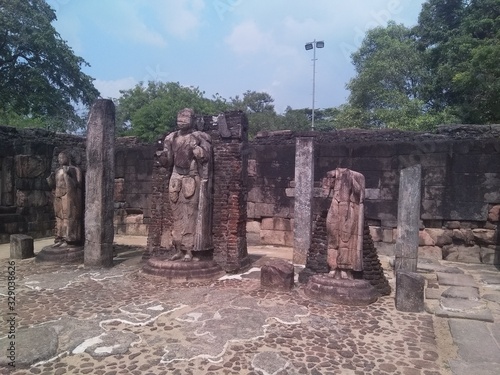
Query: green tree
{"type": "Point", "coordinates": [260, 111]}
{"type": "Point", "coordinates": [41, 80]}
{"type": "Point", "coordinates": [386, 90]}
{"type": "Point", "coordinates": [148, 111]}
{"type": "Point", "coordinates": [460, 41]}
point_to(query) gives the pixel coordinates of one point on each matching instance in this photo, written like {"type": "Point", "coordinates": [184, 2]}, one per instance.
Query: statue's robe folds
{"type": "Point", "coordinates": [345, 220]}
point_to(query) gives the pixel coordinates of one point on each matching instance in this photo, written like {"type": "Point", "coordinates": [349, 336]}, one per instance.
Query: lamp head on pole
{"type": "Point", "coordinates": [309, 46]}
{"type": "Point", "coordinates": [320, 44]}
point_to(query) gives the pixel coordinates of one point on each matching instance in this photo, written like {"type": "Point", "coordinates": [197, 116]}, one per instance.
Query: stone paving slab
{"type": "Point", "coordinates": [436, 267]}
{"type": "Point", "coordinates": [456, 279]}
{"type": "Point", "coordinates": [463, 368]}
{"type": "Point", "coordinates": [475, 341]}
{"type": "Point", "coordinates": [462, 292]}
{"type": "Point", "coordinates": [460, 308]}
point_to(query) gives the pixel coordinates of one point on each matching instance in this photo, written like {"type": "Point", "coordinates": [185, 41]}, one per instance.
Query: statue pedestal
{"type": "Point", "coordinates": [180, 271]}
{"type": "Point", "coordinates": [60, 255]}
{"type": "Point", "coordinates": [341, 291]}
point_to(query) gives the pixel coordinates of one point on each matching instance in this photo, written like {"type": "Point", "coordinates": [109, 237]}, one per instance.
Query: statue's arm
{"type": "Point", "coordinates": [167, 155]}
{"type": "Point", "coordinates": [51, 180]}
{"type": "Point", "coordinates": [203, 150]}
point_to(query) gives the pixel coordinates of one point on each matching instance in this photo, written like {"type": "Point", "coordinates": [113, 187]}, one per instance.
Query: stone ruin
{"type": "Point", "coordinates": [460, 207]}
{"type": "Point", "coordinates": [202, 194]}
{"type": "Point", "coordinates": [342, 264]}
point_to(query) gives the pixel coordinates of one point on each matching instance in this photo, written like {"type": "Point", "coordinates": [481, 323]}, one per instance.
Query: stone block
{"type": "Point", "coordinates": [253, 226]}
{"type": "Point", "coordinates": [409, 291]}
{"type": "Point", "coordinates": [119, 190]}
{"type": "Point", "coordinates": [461, 253]}
{"type": "Point", "coordinates": [267, 223]}
{"type": "Point", "coordinates": [277, 275]}
{"type": "Point", "coordinates": [484, 236]}
{"type": "Point", "coordinates": [490, 255]}
{"type": "Point", "coordinates": [464, 236]}
{"type": "Point", "coordinates": [424, 239]}
{"type": "Point", "coordinates": [387, 235]}
{"type": "Point", "coordinates": [440, 236]}
{"type": "Point", "coordinates": [494, 213]}
{"type": "Point", "coordinates": [376, 233]}
{"type": "Point", "coordinates": [430, 252]}
{"type": "Point", "coordinates": [21, 246]}
{"type": "Point", "coordinates": [273, 237]}
{"type": "Point", "coordinates": [282, 224]}
{"type": "Point", "coordinates": [29, 166]}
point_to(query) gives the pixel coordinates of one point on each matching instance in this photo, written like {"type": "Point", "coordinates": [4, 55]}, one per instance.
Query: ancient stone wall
{"type": "Point", "coordinates": [26, 159]}
{"type": "Point", "coordinates": [27, 156]}
{"type": "Point", "coordinates": [460, 185]}
{"type": "Point", "coordinates": [133, 186]}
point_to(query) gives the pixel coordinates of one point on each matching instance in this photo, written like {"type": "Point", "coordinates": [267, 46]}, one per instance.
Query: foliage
{"type": "Point", "coordinates": [149, 111]}
{"type": "Point", "coordinates": [443, 70]}
{"type": "Point", "coordinates": [40, 76]}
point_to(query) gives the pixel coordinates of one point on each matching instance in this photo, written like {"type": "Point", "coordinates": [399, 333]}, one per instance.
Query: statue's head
{"type": "Point", "coordinates": [185, 119]}
{"type": "Point", "coordinates": [63, 158]}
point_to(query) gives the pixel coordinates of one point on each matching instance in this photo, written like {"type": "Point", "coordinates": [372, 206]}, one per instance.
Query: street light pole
{"type": "Point", "coordinates": [313, 45]}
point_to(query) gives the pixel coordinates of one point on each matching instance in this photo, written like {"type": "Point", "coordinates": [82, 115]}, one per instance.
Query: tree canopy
{"type": "Point", "coordinates": [442, 70]}
{"type": "Point", "coordinates": [149, 110]}
{"type": "Point", "coordinates": [41, 81]}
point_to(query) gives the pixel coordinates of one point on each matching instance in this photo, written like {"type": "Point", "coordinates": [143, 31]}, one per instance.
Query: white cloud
{"type": "Point", "coordinates": [247, 38]}
{"type": "Point", "coordinates": [111, 88]}
{"type": "Point", "coordinates": [180, 18]}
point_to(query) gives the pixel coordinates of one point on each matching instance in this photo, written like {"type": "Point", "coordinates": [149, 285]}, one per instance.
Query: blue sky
{"type": "Point", "coordinates": [226, 46]}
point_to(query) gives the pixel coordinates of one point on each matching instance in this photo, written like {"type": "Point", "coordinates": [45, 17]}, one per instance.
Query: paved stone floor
{"type": "Point", "coordinates": [70, 320]}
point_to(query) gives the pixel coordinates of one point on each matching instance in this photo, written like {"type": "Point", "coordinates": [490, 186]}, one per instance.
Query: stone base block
{"type": "Point", "coordinates": [410, 291]}
{"type": "Point", "coordinates": [341, 291]}
{"type": "Point", "coordinates": [21, 246]}
{"type": "Point", "coordinates": [277, 275]}
{"type": "Point", "coordinates": [180, 271]}
{"type": "Point", "coordinates": [62, 255]}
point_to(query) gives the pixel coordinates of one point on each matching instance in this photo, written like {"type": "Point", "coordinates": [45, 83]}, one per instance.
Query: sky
{"type": "Point", "coordinates": [226, 47]}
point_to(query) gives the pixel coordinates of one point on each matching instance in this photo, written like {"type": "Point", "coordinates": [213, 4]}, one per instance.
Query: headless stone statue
{"type": "Point", "coordinates": [345, 222]}
{"type": "Point", "coordinates": [68, 202]}
{"type": "Point", "coordinates": [188, 158]}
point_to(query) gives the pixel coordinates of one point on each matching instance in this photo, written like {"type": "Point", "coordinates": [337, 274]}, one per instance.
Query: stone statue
{"type": "Point", "coordinates": [344, 223]}
{"type": "Point", "coordinates": [188, 159]}
{"type": "Point", "coordinates": [68, 202]}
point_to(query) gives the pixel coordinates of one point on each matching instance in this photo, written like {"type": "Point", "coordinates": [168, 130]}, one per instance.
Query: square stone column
{"type": "Point", "coordinates": [99, 185]}
{"type": "Point", "coordinates": [406, 249]}
{"type": "Point", "coordinates": [304, 185]}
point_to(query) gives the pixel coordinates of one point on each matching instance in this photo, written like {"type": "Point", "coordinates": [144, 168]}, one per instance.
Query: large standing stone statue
{"type": "Point", "coordinates": [188, 159]}
{"type": "Point", "coordinates": [68, 202]}
{"type": "Point", "coordinates": [344, 229]}
{"type": "Point", "coordinates": [344, 223]}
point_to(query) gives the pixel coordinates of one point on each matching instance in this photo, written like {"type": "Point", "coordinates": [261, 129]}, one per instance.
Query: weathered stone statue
{"type": "Point", "coordinates": [344, 223]}
{"type": "Point", "coordinates": [188, 158]}
{"type": "Point", "coordinates": [68, 202]}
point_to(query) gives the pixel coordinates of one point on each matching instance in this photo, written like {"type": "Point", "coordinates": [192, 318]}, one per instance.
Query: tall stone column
{"type": "Point", "coordinates": [408, 219]}
{"type": "Point", "coordinates": [99, 184]}
{"type": "Point", "coordinates": [304, 184]}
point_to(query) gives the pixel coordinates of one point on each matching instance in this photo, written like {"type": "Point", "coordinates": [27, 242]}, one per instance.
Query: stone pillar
{"type": "Point", "coordinates": [304, 184]}
{"type": "Point", "coordinates": [406, 248]}
{"type": "Point", "coordinates": [410, 291]}
{"type": "Point", "coordinates": [99, 183]}
{"type": "Point", "coordinates": [21, 246]}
